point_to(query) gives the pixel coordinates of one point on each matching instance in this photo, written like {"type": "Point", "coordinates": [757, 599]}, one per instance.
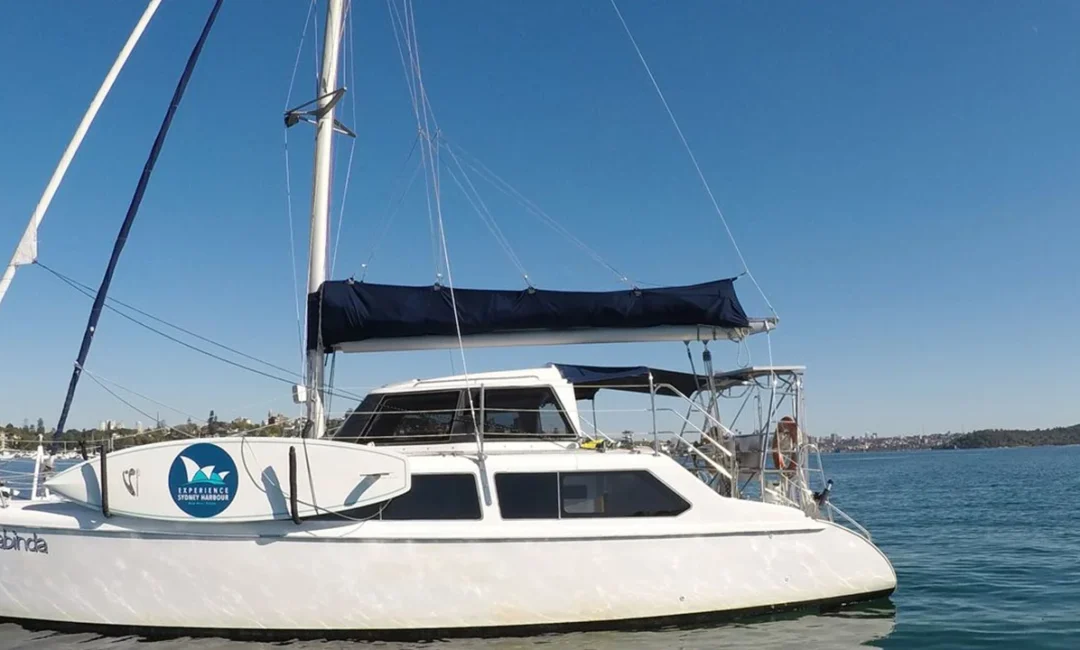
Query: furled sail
{"type": "Point", "coordinates": [352, 316]}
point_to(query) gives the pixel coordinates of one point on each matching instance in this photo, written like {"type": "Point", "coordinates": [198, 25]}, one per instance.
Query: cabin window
{"type": "Point", "coordinates": [617, 494]}
{"type": "Point", "coordinates": [423, 417]}
{"type": "Point", "coordinates": [528, 496]}
{"type": "Point", "coordinates": [508, 413]}
{"type": "Point", "coordinates": [568, 495]}
{"type": "Point", "coordinates": [432, 497]}
{"type": "Point", "coordinates": [436, 496]}
{"type": "Point", "coordinates": [357, 421]}
{"type": "Point", "coordinates": [446, 416]}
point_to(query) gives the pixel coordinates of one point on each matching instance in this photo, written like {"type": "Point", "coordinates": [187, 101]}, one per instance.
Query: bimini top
{"type": "Point", "coordinates": [350, 316]}
{"type": "Point", "coordinates": [588, 380]}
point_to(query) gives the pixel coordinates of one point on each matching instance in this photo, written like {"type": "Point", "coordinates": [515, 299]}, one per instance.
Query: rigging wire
{"type": "Point", "coordinates": [315, 50]}
{"type": "Point", "coordinates": [405, 40]}
{"type": "Point", "coordinates": [531, 207]}
{"type": "Point", "coordinates": [425, 119]}
{"type": "Point", "coordinates": [98, 379]}
{"type": "Point", "coordinates": [393, 207]}
{"type": "Point", "coordinates": [188, 345]}
{"type": "Point", "coordinates": [400, 19]}
{"type": "Point", "coordinates": [488, 219]}
{"type": "Point", "coordinates": [288, 184]}
{"type": "Point", "coordinates": [693, 158]}
{"type": "Point", "coordinates": [88, 291]}
{"type": "Point", "coordinates": [127, 403]}
{"type": "Point", "coordinates": [83, 289]}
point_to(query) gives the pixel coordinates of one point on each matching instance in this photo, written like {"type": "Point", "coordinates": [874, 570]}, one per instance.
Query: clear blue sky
{"type": "Point", "coordinates": [902, 177]}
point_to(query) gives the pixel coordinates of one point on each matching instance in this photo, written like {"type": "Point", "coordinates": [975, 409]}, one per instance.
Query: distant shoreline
{"type": "Point", "coordinates": [983, 439]}
{"type": "Point", "coordinates": [25, 438]}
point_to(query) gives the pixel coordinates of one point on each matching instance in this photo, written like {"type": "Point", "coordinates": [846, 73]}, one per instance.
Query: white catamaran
{"type": "Point", "coordinates": [475, 504]}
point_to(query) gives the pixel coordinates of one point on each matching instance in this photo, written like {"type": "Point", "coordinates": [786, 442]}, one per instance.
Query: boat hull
{"type": "Point", "coordinates": [290, 585]}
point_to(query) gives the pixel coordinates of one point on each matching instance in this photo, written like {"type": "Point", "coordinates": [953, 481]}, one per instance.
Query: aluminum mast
{"type": "Point", "coordinates": [320, 202]}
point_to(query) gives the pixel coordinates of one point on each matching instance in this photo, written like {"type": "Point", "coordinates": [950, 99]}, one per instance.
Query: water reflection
{"type": "Point", "coordinates": [856, 628]}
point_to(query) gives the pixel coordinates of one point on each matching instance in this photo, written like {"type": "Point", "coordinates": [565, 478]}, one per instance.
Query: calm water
{"type": "Point", "coordinates": [986, 545]}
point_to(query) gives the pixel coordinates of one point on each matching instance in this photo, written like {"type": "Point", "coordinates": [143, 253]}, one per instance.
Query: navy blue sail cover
{"type": "Point", "coordinates": [357, 311]}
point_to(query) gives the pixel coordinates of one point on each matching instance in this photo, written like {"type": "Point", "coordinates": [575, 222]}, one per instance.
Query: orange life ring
{"type": "Point", "coordinates": [789, 429]}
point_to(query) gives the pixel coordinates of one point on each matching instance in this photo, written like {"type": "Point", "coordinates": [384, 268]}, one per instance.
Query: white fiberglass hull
{"type": "Point", "coordinates": [335, 579]}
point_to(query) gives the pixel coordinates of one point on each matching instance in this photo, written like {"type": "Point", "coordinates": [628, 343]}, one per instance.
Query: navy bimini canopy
{"type": "Point", "coordinates": [588, 380]}
{"type": "Point", "coordinates": [357, 311]}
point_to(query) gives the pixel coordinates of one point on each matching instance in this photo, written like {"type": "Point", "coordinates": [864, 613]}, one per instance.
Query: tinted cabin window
{"type": "Point", "coordinates": [511, 412]}
{"type": "Point", "coordinates": [436, 496]}
{"type": "Point", "coordinates": [354, 425]}
{"type": "Point", "coordinates": [424, 417]}
{"type": "Point", "coordinates": [617, 494]}
{"type": "Point", "coordinates": [432, 497]}
{"type": "Point", "coordinates": [528, 496]}
{"type": "Point", "coordinates": [635, 493]}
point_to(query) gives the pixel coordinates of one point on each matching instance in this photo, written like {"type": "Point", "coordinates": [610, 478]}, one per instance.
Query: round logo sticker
{"type": "Point", "coordinates": [203, 480]}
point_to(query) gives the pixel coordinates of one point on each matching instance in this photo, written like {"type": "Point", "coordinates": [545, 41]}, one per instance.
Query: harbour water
{"type": "Point", "coordinates": [985, 543]}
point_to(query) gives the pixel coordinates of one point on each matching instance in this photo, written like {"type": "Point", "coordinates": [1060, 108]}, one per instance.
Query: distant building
{"type": "Point", "coordinates": [279, 419]}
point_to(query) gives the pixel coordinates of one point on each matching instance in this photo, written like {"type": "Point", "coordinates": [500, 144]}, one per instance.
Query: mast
{"type": "Point", "coordinates": [320, 203]}
{"type": "Point", "coordinates": [26, 250]}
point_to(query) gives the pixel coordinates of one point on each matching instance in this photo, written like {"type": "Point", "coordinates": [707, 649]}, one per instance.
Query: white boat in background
{"type": "Point", "coordinates": [5, 453]}
{"type": "Point", "coordinates": [510, 511]}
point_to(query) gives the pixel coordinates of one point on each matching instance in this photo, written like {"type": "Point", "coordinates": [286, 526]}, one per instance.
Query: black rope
{"type": "Point", "coordinates": [129, 219]}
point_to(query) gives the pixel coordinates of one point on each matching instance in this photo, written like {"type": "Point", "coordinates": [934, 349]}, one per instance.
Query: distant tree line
{"type": "Point", "coordinates": [25, 437]}
{"type": "Point", "coordinates": [988, 438]}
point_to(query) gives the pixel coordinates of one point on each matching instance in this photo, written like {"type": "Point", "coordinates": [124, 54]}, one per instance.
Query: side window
{"type": "Point", "coordinates": [528, 496]}
{"type": "Point", "coordinates": [424, 417]}
{"type": "Point", "coordinates": [508, 412]}
{"type": "Point", "coordinates": [436, 496]}
{"type": "Point", "coordinates": [618, 494]}
{"type": "Point", "coordinates": [568, 495]}
{"type": "Point", "coordinates": [433, 497]}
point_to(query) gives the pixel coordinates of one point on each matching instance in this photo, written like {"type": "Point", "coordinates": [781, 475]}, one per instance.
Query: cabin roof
{"type": "Point", "coordinates": [588, 380]}
{"type": "Point", "coordinates": [527, 377]}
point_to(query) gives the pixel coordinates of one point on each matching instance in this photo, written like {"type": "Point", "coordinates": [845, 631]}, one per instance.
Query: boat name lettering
{"type": "Point", "coordinates": [12, 541]}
